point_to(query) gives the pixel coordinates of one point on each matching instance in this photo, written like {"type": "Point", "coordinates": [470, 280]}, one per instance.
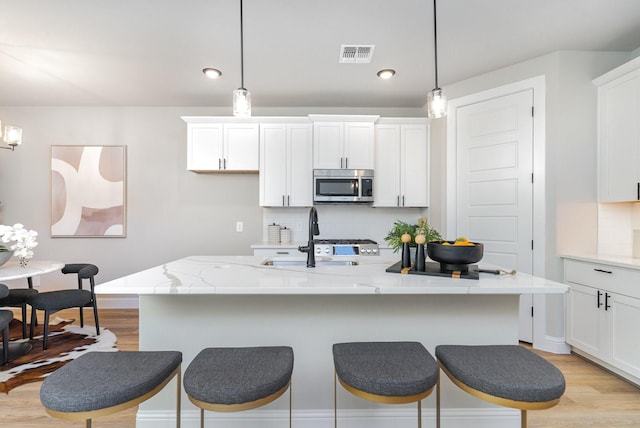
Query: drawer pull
{"type": "Point", "coordinates": [603, 271]}
{"type": "Point", "coordinates": [286, 252]}
{"type": "Point", "coordinates": [606, 301]}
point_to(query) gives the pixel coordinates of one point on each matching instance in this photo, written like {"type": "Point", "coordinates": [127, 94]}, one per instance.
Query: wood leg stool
{"type": "Point", "coordinates": [385, 372]}
{"type": "Point", "coordinates": [507, 375]}
{"type": "Point", "coordinates": [102, 383]}
{"type": "Point", "coordinates": [236, 379]}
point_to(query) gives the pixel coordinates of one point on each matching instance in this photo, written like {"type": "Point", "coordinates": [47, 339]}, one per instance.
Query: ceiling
{"type": "Point", "coordinates": [152, 52]}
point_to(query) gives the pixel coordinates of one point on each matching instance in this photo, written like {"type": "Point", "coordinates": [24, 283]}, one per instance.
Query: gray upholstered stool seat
{"type": "Point", "coordinates": [101, 383]}
{"type": "Point", "coordinates": [235, 379]}
{"type": "Point", "coordinates": [385, 372]}
{"type": "Point", "coordinates": [508, 375]}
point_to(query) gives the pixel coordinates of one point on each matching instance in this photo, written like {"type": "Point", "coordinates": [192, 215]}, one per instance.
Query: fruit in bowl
{"type": "Point", "coordinates": [455, 255]}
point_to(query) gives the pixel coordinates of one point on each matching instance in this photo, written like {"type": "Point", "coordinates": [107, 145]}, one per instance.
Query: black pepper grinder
{"type": "Point", "coordinates": [420, 240]}
{"type": "Point", "coordinates": [406, 251]}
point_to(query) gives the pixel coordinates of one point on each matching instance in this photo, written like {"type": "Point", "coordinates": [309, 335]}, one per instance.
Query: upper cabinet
{"type": "Point", "coordinates": [343, 142]}
{"type": "Point", "coordinates": [619, 134]}
{"type": "Point", "coordinates": [402, 163]}
{"type": "Point", "coordinates": [219, 145]}
{"type": "Point", "coordinates": [286, 169]}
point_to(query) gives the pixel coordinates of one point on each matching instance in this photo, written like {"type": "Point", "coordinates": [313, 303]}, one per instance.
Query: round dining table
{"type": "Point", "coordinates": [11, 271]}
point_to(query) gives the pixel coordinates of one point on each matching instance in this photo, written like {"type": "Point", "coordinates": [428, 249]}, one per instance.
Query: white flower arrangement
{"type": "Point", "coordinates": [25, 241]}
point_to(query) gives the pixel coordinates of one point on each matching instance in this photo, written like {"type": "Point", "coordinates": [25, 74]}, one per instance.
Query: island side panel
{"type": "Point", "coordinates": [311, 325]}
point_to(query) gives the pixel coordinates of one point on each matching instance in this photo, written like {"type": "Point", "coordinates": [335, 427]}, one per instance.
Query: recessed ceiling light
{"type": "Point", "coordinates": [212, 73]}
{"type": "Point", "coordinates": [387, 73]}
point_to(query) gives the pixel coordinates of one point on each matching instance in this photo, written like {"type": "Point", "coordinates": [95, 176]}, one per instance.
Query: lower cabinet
{"type": "Point", "coordinates": [603, 312]}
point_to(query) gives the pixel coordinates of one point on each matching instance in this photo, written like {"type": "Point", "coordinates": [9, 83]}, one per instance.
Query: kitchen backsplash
{"type": "Point", "coordinates": [341, 221]}
{"type": "Point", "coordinates": [616, 223]}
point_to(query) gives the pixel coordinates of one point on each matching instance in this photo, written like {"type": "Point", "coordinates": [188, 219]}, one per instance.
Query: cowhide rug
{"type": "Point", "coordinates": [66, 342]}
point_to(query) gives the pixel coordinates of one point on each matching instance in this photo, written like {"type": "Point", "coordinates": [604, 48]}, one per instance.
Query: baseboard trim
{"type": "Point", "coordinates": [493, 417]}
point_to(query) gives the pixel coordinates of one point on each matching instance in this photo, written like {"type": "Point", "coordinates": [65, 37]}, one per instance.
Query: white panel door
{"type": "Point", "coordinates": [358, 145]}
{"type": "Point", "coordinates": [328, 145]}
{"type": "Point", "coordinates": [205, 147]}
{"type": "Point", "coordinates": [300, 165]}
{"type": "Point", "coordinates": [494, 186]}
{"type": "Point", "coordinates": [387, 171]}
{"type": "Point", "coordinates": [414, 166]}
{"type": "Point", "coordinates": [273, 165]}
{"type": "Point", "coordinates": [242, 146]}
{"type": "Point", "coordinates": [624, 317]}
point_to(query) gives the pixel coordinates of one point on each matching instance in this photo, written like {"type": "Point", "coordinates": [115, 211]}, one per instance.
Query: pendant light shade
{"type": "Point", "coordinates": [241, 96]}
{"type": "Point", "coordinates": [436, 100]}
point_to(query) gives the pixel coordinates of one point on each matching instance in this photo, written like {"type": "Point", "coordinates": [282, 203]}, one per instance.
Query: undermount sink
{"type": "Point", "coordinates": [303, 262]}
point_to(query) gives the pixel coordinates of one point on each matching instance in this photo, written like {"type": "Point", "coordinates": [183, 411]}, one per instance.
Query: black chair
{"type": "Point", "coordinates": [5, 320]}
{"type": "Point", "coordinates": [53, 301]}
{"type": "Point", "coordinates": [17, 298]}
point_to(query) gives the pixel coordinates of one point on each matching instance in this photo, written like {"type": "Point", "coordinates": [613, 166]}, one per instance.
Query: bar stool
{"type": "Point", "coordinates": [384, 372]}
{"type": "Point", "coordinates": [236, 379]}
{"type": "Point", "coordinates": [507, 375]}
{"type": "Point", "coordinates": [102, 383]}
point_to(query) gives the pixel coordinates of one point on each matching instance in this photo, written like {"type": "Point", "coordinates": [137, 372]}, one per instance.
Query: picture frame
{"type": "Point", "coordinates": [88, 191]}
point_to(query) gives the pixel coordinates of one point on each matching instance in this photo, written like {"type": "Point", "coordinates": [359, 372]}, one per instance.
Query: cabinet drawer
{"type": "Point", "coordinates": [606, 277]}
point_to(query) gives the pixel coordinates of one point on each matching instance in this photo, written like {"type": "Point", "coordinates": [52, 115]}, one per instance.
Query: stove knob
{"type": "Point", "coordinates": [318, 250]}
{"type": "Point", "coordinates": [375, 250]}
{"type": "Point", "coordinates": [368, 250]}
{"type": "Point", "coordinates": [326, 251]}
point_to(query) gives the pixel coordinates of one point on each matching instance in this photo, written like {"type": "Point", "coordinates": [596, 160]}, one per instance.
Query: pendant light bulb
{"type": "Point", "coordinates": [241, 103]}
{"type": "Point", "coordinates": [436, 104]}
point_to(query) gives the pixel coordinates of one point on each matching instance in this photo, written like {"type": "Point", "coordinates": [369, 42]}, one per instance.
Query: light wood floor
{"type": "Point", "coordinates": [594, 398]}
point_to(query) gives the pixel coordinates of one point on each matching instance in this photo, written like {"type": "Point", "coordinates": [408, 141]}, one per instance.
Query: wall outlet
{"type": "Point", "coordinates": [239, 226]}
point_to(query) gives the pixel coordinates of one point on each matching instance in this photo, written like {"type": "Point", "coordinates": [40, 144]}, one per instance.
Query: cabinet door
{"type": "Point", "coordinates": [328, 145]}
{"type": "Point", "coordinates": [387, 166]}
{"type": "Point", "coordinates": [358, 145]}
{"type": "Point", "coordinates": [622, 333]}
{"type": "Point", "coordinates": [273, 165]}
{"type": "Point", "coordinates": [585, 320]}
{"type": "Point", "coordinates": [204, 146]}
{"type": "Point", "coordinates": [241, 146]}
{"type": "Point", "coordinates": [300, 165]}
{"type": "Point", "coordinates": [414, 166]}
{"type": "Point", "coordinates": [619, 104]}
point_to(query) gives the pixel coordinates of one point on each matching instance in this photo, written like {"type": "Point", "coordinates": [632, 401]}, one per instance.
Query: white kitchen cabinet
{"type": "Point", "coordinates": [286, 170]}
{"type": "Point", "coordinates": [619, 134]}
{"type": "Point", "coordinates": [401, 164]}
{"type": "Point", "coordinates": [603, 311]}
{"type": "Point", "coordinates": [344, 142]}
{"type": "Point", "coordinates": [215, 146]}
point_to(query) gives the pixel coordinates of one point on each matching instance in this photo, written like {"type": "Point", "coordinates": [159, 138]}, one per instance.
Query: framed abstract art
{"type": "Point", "coordinates": [88, 191]}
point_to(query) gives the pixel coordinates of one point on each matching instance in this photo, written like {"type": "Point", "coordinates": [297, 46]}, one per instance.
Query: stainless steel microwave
{"type": "Point", "coordinates": [343, 185]}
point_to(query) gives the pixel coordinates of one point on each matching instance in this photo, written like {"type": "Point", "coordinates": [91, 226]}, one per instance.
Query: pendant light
{"type": "Point", "coordinates": [241, 97]}
{"type": "Point", "coordinates": [436, 100]}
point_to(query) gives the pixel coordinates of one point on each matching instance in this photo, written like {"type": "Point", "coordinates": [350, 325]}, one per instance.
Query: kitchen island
{"type": "Point", "coordinates": [208, 301]}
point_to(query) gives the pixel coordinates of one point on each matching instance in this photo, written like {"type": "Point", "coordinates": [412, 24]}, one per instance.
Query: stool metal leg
{"type": "Point", "coordinates": [88, 423]}
{"type": "Point", "coordinates": [419, 413]}
{"type": "Point", "coordinates": [178, 392]}
{"type": "Point", "coordinates": [335, 400]}
{"type": "Point", "coordinates": [438, 400]}
{"type": "Point", "coordinates": [523, 418]}
{"type": "Point", "coordinates": [201, 418]}
{"type": "Point", "coordinates": [290, 402]}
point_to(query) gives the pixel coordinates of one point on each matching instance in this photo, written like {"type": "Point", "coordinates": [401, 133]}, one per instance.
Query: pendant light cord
{"type": "Point", "coordinates": [242, 49]}
{"type": "Point", "coordinates": [435, 41]}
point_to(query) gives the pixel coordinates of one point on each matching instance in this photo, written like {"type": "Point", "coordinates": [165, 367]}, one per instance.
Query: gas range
{"type": "Point", "coordinates": [346, 247]}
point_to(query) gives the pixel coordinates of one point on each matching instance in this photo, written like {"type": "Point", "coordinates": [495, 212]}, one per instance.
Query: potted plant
{"type": "Point", "coordinates": [394, 237]}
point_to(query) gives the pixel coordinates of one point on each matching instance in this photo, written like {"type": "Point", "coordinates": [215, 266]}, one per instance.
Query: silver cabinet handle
{"type": "Point", "coordinates": [403, 200]}
{"type": "Point", "coordinates": [224, 162]}
{"type": "Point", "coordinates": [346, 163]}
{"type": "Point", "coordinates": [398, 200]}
{"type": "Point", "coordinates": [341, 162]}
{"type": "Point", "coordinates": [283, 200]}
{"type": "Point", "coordinates": [219, 163]}
{"type": "Point", "coordinates": [288, 200]}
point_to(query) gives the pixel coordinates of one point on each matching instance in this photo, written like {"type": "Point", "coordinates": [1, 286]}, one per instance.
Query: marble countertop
{"type": "Point", "coordinates": [199, 275]}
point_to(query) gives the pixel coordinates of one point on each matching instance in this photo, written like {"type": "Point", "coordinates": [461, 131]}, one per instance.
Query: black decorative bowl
{"type": "Point", "coordinates": [454, 257]}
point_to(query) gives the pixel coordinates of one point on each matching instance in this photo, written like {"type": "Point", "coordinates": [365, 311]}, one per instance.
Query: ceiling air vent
{"type": "Point", "coordinates": [356, 54]}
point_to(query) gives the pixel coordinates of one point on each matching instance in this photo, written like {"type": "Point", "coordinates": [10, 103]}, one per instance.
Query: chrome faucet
{"type": "Point", "coordinates": [313, 230]}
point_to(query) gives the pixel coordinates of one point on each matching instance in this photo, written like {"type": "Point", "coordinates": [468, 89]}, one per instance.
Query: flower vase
{"type": "Point", "coordinates": [5, 256]}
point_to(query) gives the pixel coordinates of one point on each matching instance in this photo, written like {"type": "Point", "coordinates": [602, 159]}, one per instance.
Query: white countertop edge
{"type": "Point", "coordinates": [619, 261]}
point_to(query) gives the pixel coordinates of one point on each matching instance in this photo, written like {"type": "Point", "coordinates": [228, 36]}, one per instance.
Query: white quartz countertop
{"type": "Point", "coordinates": [620, 261]}
{"type": "Point", "coordinates": [199, 275]}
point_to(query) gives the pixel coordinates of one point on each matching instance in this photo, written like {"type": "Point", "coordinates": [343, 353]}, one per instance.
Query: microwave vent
{"type": "Point", "coordinates": [356, 54]}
